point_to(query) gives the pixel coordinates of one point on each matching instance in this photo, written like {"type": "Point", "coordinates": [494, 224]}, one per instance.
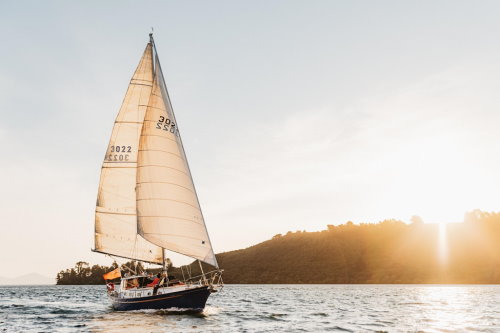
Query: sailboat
{"type": "Point", "coordinates": [147, 202]}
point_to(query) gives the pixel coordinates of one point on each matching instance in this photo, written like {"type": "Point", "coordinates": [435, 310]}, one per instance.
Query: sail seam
{"type": "Point", "coordinates": [183, 202]}
{"type": "Point", "coordinates": [140, 84]}
{"type": "Point", "coordinates": [161, 166]}
{"type": "Point", "coordinates": [178, 236]}
{"type": "Point", "coordinates": [173, 217]}
{"type": "Point", "coordinates": [161, 136]}
{"type": "Point", "coordinates": [137, 79]}
{"type": "Point", "coordinates": [116, 217]}
{"type": "Point", "coordinates": [127, 214]}
{"type": "Point", "coordinates": [187, 188]}
{"type": "Point", "coordinates": [144, 80]}
{"type": "Point", "coordinates": [118, 162]}
{"type": "Point", "coordinates": [155, 107]}
{"type": "Point", "coordinates": [116, 255]}
{"type": "Point", "coordinates": [115, 194]}
{"type": "Point", "coordinates": [163, 151]}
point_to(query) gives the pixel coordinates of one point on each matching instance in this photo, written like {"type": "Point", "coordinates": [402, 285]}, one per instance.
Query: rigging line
{"type": "Point", "coordinates": [134, 249]}
{"type": "Point", "coordinates": [164, 86]}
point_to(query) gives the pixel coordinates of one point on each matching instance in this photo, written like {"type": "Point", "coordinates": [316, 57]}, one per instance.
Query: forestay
{"type": "Point", "coordinates": [168, 211]}
{"type": "Point", "coordinates": [116, 219]}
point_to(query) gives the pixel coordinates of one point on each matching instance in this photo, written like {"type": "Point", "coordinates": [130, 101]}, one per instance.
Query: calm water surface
{"type": "Point", "coordinates": [262, 308]}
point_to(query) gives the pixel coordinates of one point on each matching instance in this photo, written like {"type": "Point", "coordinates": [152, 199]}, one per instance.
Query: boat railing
{"type": "Point", "coordinates": [212, 279]}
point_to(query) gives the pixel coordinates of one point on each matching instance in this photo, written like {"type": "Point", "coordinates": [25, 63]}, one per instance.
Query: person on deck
{"type": "Point", "coordinates": [155, 281]}
{"type": "Point", "coordinates": [131, 283]}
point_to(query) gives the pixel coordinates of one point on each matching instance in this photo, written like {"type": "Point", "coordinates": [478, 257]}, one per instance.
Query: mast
{"type": "Point", "coordinates": [152, 43]}
{"type": "Point", "coordinates": [163, 250]}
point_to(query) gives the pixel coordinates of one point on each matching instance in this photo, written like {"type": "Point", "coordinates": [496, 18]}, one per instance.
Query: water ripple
{"type": "Point", "coordinates": [261, 308]}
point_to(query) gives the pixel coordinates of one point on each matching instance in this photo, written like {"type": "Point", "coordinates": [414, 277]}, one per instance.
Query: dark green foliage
{"type": "Point", "coordinates": [82, 273]}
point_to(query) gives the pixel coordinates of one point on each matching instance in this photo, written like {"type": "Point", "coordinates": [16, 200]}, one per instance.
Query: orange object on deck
{"type": "Point", "coordinates": [112, 275]}
{"type": "Point", "coordinates": [154, 283]}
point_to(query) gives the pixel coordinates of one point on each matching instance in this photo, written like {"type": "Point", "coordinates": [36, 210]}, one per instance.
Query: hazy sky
{"type": "Point", "coordinates": [294, 114]}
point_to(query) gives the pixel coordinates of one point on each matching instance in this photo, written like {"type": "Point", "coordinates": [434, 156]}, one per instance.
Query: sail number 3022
{"type": "Point", "coordinates": [118, 154]}
{"type": "Point", "coordinates": [167, 125]}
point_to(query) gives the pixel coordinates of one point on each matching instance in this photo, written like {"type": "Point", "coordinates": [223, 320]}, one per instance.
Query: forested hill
{"type": "Point", "coordinates": [386, 252]}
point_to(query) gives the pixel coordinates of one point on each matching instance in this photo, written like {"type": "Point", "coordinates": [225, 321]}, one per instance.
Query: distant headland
{"type": "Point", "coordinates": [27, 279]}
{"type": "Point", "coordinates": [387, 252]}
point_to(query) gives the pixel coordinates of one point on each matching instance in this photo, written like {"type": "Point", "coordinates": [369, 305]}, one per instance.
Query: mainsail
{"type": "Point", "coordinates": [115, 218]}
{"type": "Point", "coordinates": [168, 211]}
{"type": "Point", "coordinates": [147, 201]}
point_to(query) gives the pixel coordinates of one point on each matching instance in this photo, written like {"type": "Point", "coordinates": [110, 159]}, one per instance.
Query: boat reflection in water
{"type": "Point", "coordinates": [151, 321]}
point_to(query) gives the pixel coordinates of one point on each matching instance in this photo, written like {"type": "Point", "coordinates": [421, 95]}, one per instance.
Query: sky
{"type": "Point", "coordinates": [294, 114]}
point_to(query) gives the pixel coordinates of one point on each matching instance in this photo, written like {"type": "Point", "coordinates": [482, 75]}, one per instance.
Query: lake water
{"type": "Point", "coordinates": [262, 308]}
